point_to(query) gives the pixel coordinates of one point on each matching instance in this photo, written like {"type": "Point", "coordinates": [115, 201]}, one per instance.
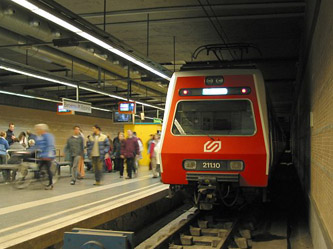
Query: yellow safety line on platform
{"type": "Point", "coordinates": [31, 204]}
{"type": "Point", "coordinates": [73, 209]}
{"type": "Point", "coordinates": [37, 231]}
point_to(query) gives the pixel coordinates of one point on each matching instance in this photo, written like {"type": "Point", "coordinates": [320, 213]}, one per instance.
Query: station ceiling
{"type": "Point", "coordinates": [264, 34]}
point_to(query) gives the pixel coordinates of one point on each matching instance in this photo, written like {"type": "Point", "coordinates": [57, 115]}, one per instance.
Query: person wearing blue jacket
{"type": "Point", "coordinates": [98, 146]}
{"type": "Point", "coordinates": [4, 146]}
{"type": "Point", "coordinates": [45, 143]}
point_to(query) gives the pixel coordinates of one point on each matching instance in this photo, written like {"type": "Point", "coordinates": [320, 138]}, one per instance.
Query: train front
{"type": "Point", "coordinates": [215, 134]}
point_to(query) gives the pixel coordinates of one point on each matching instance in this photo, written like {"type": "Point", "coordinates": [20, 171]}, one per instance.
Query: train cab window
{"type": "Point", "coordinates": [214, 117]}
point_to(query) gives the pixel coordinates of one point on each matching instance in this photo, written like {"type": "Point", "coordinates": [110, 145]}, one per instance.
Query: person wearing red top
{"type": "Point", "coordinates": [129, 150]}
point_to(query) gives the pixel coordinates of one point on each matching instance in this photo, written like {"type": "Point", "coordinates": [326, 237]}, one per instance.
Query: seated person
{"type": "Point", "coordinates": [16, 146]}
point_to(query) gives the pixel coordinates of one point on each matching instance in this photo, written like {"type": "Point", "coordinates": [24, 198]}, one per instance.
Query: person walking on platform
{"type": "Point", "coordinates": [98, 146]}
{"type": "Point", "coordinates": [75, 147]}
{"type": "Point", "coordinates": [139, 156]}
{"type": "Point", "coordinates": [4, 146]}
{"type": "Point", "coordinates": [116, 153]}
{"type": "Point", "coordinates": [10, 134]}
{"type": "Point", "coordinates": [81, 163]}
{"type": "Point", "coordinates": [45, 143]}
{"type": "Point", "coordinates": [153, 155]}
{"type": "Point", "coordinates": [129, 150]}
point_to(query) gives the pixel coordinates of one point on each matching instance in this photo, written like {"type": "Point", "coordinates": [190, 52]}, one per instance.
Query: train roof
{"type": "Point", "coordinates": [211, 72]}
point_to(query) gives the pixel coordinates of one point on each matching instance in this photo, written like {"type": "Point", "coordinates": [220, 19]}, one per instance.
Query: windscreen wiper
{"type": "Point", "coordinates": [179, 127]}
{"type": "Point", "coordinates": [210, 137]}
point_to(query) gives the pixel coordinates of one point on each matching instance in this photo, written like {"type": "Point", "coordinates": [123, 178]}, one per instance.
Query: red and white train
{"type": "Point", "coordinates": [218, 135]}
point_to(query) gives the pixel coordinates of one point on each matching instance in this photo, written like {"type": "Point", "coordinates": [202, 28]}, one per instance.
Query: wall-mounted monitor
{"type": "Point", "coordinates": [62, 111]}
{"type": "Point", "coordinates": [122, 118]}
{"type": "Point", "coordinates": [127, 107]}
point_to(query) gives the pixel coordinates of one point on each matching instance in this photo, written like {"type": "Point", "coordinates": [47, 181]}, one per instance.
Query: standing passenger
{"type": "Point", "coordinates": [10, 134]}
{"type": "Point", "coordinates": [153, 155]}
{"type": "Point", "coordinates": [129, 150]}
{"type": "Point", "coordinates": [98, 147]}
{"type": "Point", "coordinates": [75, 146]}
{"type": "Point", "coordinates": [118, 162]}
{"type": "Point", "coordinates": [139, 156]}
{"type": "Point", "coordinates": [81, 163]}
{"type": "Point", "coordinates": [45, 143]}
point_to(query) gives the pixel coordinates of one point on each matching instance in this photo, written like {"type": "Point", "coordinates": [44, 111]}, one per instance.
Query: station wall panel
{"type": "Point", "coordinates": [143, 131]}
{"type": "Point", "coordinates": [61, 126]}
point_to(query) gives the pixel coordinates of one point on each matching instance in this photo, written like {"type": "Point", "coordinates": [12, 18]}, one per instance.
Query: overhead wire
{"type": "Point", "coordinates": [218, 22]}
{"type": "Point", "coordinates": [215, 28]}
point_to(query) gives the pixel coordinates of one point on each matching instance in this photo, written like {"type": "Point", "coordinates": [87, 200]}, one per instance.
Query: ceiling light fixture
{"type": "Point", "coordinates": [28, 96]}
{"type": "Point", "coordinates": [26, 4]}
{"type": "Point", "coordinates": [44, 99]}
{"type": "Point", "coordinates": [38, 76]}
{"type": "Point", "coordinates": [14, 70]}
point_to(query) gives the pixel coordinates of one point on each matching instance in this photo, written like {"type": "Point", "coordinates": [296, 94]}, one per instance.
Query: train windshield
{"type": "Point", "coordinates": [214, 117]}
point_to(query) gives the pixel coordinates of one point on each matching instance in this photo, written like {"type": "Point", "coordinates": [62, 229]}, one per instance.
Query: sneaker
{"type": "Point", "coordinates": [72, 182]}
{"type": "Point", "coordinates": [121, 177]}
{"type": "Point", "coordinates": [155, 176]}
{"type": "Point", "coordinates": [49, 187]}
{"type": "Point", "coordinates": [128, 177]}
{"type": "Point", "coordinates": [97, 183]}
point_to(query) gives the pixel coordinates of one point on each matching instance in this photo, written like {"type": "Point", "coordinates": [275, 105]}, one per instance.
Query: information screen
{"type": "Point", "coordinates": [62, 111]}
{"type": "Point", "coordinates": [126, 107]}
{"type": "Point", "coordinates": [122, 118]}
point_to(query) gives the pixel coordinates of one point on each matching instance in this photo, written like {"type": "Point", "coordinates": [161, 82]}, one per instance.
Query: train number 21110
{"type": "Point", "coordinates": [210, 165]}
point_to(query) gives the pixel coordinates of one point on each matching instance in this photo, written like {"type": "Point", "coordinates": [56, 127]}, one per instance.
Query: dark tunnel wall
{"type": "Point", "coordinates": [312, 126]}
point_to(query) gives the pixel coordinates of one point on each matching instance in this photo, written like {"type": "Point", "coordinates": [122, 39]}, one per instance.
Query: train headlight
{"type": "Point", "coordinates": [214, 80]}
{"type": "Point", "coordinates": [236, 165]}
{"type": "Point", "coordinates": [190, 164]}
{"type": "Point", "coordinates": [209, 81]}
{"type": "Point", "coordinates": [219, 80]}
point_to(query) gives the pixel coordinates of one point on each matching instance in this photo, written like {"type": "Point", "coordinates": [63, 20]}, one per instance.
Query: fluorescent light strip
{"type": "Point", "coordinates": [118, 97]}
{"type": "Point", "coordinates": [37, 76]}
{"type": "Point", "coordinates": [85, 35]}
{"type": "Point", "coordinates": [100, 109]}
{"type": "Point", "coordinates": [145, 104]}
{"type": "Point", "coordinates": [28, 96]}
{"type": "Point", "coordinates": [45, 99]}
{"type": "Point", "coordinates": [69, 84]}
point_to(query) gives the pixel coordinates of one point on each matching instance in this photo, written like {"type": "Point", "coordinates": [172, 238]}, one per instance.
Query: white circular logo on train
{"type": "Point", "coordinates": [212, 146]}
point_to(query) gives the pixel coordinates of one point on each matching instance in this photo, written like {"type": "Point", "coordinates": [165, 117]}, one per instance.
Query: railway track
{"type": "Point", "coordinates": [202, 230]}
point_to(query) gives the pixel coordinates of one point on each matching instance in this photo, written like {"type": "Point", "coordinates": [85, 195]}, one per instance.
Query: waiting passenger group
{"type": "Point", "coordinates": [100, 151]}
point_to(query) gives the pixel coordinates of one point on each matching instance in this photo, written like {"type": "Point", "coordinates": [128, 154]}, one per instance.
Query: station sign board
{"type": "Point", "coordinates": [157, 121]}
{"type": "Point", "coordinates": [77, 106]}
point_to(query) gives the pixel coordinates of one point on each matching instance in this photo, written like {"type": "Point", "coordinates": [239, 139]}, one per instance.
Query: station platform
{"type": "Point", "coordinates": [37, 218]}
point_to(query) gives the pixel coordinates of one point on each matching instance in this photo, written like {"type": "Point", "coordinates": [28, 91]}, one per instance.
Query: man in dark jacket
{"type": "Point", "coordinates": [118, 161]}
{"type": "Point", "coordinates": [129, 150]}
{"type": "Point", "coordinates": [10, 134]}
{"type": "Point", "coordinates": [75, 147]}
{"type": "Point", "coordinates": [98, 146]}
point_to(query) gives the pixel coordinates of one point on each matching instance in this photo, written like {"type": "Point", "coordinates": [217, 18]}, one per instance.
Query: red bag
{"type": "Point", "coordinates": [108, 164]}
